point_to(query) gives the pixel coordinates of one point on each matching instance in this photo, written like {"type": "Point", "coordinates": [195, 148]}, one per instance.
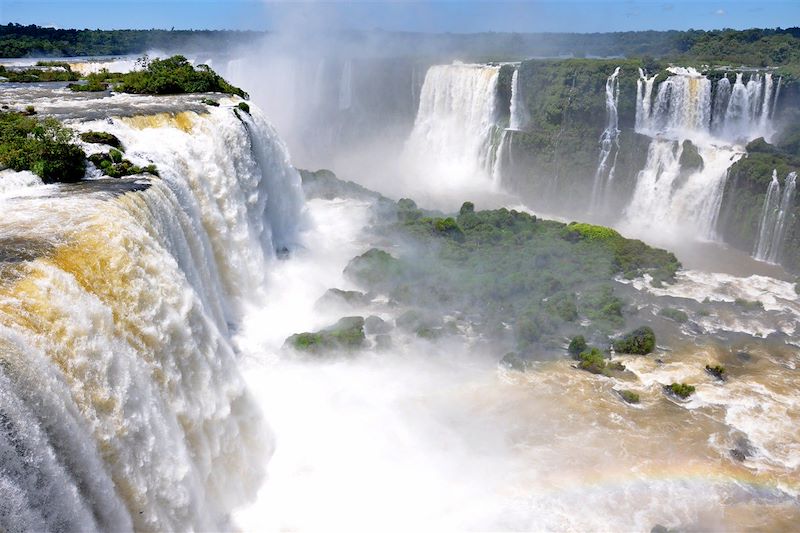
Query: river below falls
{"type": "Point", "coordinates": [439, 436]}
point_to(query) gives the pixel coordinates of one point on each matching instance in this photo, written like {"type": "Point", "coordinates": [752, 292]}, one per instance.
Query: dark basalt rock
{"type": "Point", "coordinates": [376, 325]}
{"type": "Point", "coordinates": [342, 297]}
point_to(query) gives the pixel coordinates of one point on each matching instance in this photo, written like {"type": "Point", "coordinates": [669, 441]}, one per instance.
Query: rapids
{"type": "Point", "coordinates": [144, 382]}
{"type": "Point", "coordinates": [122, 403]}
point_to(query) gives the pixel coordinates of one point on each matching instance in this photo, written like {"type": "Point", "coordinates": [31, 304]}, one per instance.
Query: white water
{"type": "Point", "coordinates": [772, 226]}
{"type": "Point", "coordinates": [453, 133]}
{"type": "Point", "coordinates": [609, 142]}
{"type": "Point", "coordinates": [122, 405]}
{"type": "Point", "coordinates": [520, 117]}
{"type": "Point", "coordinates": [668, 197]}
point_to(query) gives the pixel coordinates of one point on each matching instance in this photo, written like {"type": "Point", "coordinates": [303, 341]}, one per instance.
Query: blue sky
{"type": "Point", "coordinates": [407, 15]}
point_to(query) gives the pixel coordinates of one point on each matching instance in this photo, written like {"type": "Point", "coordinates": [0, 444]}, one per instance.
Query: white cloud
{"type": "Point", "coordinates": [719, 12]}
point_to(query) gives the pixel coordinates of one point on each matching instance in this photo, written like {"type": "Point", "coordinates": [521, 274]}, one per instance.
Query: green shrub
{"type": "Point", "coordinates": [101, 137]}
{"type": "Point", "coordinates": [347, 334]}
{"type": "Point", "coordinates": [44, 147]}
{"type": "Point", "coordinates": [640, 341]}
{"type": "Point", "coordinates": [674, 314]}
{"type": "Point", "coordinates": [748, 305]}
{"type": "Point", "coordinates": [112, 164]}
{"type": "Point", "coordinates": [682, 390]}
{"type": "Point", "coordinates": [718, 371]}
{"type": "Point", "coordinates": [629, 396]}
{"type": "Point", "coordinates": [244, 107]}
{"type": "Point", "coordinates": [175, 75]}
{"type": "Point", "coordinates": [577, 345]}
{"type": "Point", "coordinates": [592, 361]}
{"type": "Point", "coordinates": [210, 101]}
{"type": "Point", "coordinates": [90, 87]}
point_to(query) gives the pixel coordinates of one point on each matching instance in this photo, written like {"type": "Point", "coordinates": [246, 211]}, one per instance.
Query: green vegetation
{"type": "Point", "coordinates": [681, 390]}
{"type": "Point", "coordinates": [674, 314]}
{"type": "Point", "coordinates": [629, 396]}
{"type": "Point", "coordinates": [347, 334]}
{"type": "Point", "coordinates": [749, 305]}
{"type": "Point", "coordinates": [640, 341]}
{"type": "Point", "coordinates": [175, 75]}
{"type": "Point", "coordinates": [90, 87]}
{"type": "Point", "coordinates": [746, 187]}
{"type": "Point", "coordinates": [112, 164]}
{"type": "Point", "coordinates": [101, 137]}
{"type": "Point", "coordinates": [577, 345]}
{"type": "Point", "coordinates": [244, 107]}
{"type": "Point", "coordinates": [17, 40]}
{"type": "Point", "coordinates": [518, 276]}
{"type": "Point", "coordinates": [718, 371]}
{"type": "Point", "coordinates": [42, 146]}
{"type": "Point", "coordinates": [211, 102]}
{"type": "Point", "coordinates": [592, 361]}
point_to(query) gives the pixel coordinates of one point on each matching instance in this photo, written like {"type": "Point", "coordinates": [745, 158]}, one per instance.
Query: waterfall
{"type": "Point", "coordinates": [121, 406]}
{"type": "Point", "coordinates": [519, 110]}
{"type": "Point", "coordinates": [346, 86]}
{"type": "Point", "coordinates": [721, 98]}
{"type": "Point", "coordinates": [687, 200]}
{"type": "Point", "coordinates": [454, 131]}
{"type": "Point", "coordinates": [644, 95]}
{"type": "Point", "coordinates": [609, 142]}
{"type": "Point", "coordinates": [772, 226]}
{"type": "Point", "coordinates": [769, 213]}
{"type": "Point", "coordinates": [775, 99]}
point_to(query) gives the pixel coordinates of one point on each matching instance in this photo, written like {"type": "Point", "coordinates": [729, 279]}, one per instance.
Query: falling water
{"type": "Point", "coordinates": [769, 217]}
{"type": "Point", "coordinates": [718, 124]}
{"type": "Point", "coordinates": [456, 122]}
{"type": "Point", "coordinates": [609, 142]}
{"type": "Point", "coordinates": [519, 110]}
{"type": "Point", "coordinates": [121, 405]}
{"type": "Point", "coordinates": [774, 215]}
{"type": "Point", "coordinates": [644, 95]}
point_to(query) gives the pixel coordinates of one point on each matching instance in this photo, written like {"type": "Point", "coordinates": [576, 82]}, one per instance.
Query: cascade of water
{"type": "Point", "coordinates": [644, 97]}
{"type": "Point", "coordinates": [121, 406]}
{"type": "Point", "coordinates": [766, 226]}
{"type": "Point", "coordinates": [775, 99]}
{"type": "Point", "coordinates": [346, 86]}
{"type": "Point", "coordinates": [683, 109]}
{"type": "Point", "coordinates": [519, 111]}
{"type": "Point", "coordinates": [609, 142]}
{"type": "Point", "coordinates": [721, 99]}
{"type": "Point", "coordinates": [766, 100]}
{"type": "Point", "coordinates": [454, 131]}
{"type": "Point", "coordinates": [787, 202]}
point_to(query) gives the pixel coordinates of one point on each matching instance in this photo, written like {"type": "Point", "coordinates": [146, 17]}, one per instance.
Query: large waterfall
{"type": "Point", "coordinates": [456, 123]}
{"type": "Point", "coordinates": [609, 143]}
{"type": "Point", "coordinates": [519, 115]}
{"type": "Point", "coordinates": [121, 406]}
{"type": "Point", "coordinates": [689, 113]}
{"type": "Point", "coordinates": [772, 226]}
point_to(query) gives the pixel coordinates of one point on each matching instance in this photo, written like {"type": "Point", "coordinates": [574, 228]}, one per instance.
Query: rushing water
{"type": "Point", "coordinates": [456, 123]}
{"type": "Point", "coordinates": [772, 226]}
{"type": "Point", "coordinates": [122, 405]}
{"type": "Point", "coordinates": [609, 143]}
{"type": "Point", "coordinates": [686, 201]}
{"type": "Point", "coordinates": [519, 115]}
{"type": "Point", "coordinates": [144, 383]}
